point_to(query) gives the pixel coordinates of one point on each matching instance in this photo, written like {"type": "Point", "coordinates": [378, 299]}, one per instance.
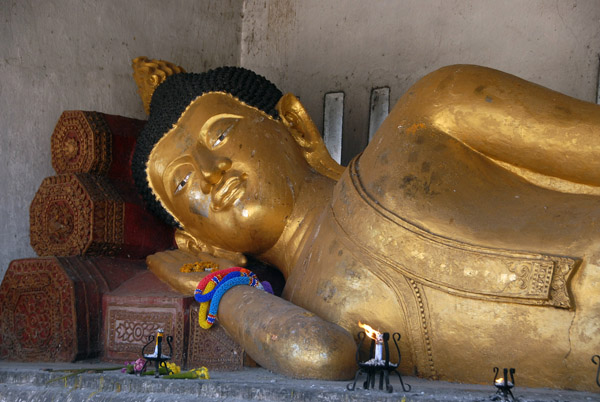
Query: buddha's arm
{"type": "Point", "coordinates": [277, 334]}
{"type": "Point", "coordinates": [508, 119]}
{"type": "Point", "coordinates": [286, 338]}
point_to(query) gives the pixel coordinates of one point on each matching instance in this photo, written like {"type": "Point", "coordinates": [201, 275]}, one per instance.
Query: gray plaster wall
{"type": "Point", "coordinates": [58, 55]}
{"type": "Point", "coordinates": [312, 47]}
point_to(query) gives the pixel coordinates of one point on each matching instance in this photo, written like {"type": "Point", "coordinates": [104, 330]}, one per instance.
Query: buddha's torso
{"type": "Point", "coordinates": [474, 266]}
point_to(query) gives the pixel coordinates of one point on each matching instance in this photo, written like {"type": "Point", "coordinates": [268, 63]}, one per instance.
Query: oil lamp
{"type": "Point", "coordinates": [596, 360]}
{"type": "Point", "coordinates": [377, 364]}
{"type": "Point", "coordinates": [378, 338]}
{"type": "Point", "coordinates": [157, 356]}
{"type": "Point", "coordinates": [503, 385]}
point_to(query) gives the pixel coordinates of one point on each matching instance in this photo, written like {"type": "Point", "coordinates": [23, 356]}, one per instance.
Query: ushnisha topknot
{"type": "Point", "coordinates": [173, 96]}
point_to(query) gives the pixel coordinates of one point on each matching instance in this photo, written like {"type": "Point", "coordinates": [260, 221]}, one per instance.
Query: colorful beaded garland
{"type": "Point", "coordinates": [220, 274]}
{"type": "Point", "coordinates": [235, 274]}
{"type": "Point", "coordinates": [220, 291]}
{"type": "Point", "coordinates": [211, 289]}
{"type": "Point", "coordinates": [203, 310]}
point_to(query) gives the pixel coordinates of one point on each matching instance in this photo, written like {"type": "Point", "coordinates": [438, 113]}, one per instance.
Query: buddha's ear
{"type": "Point", "coordinates": [305, 133]}
{"type": "Point", "coordinates": [185, 241]}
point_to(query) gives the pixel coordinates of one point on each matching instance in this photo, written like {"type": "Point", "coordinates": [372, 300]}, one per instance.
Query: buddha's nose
{"type": "Point", "coordinates": [213, 168]}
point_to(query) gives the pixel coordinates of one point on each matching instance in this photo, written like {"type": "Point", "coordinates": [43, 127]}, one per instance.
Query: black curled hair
{"type": "Point", "coordinates": [174, 95]}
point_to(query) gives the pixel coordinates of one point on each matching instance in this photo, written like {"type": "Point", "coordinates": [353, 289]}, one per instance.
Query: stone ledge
{"type": "Point", "coordinates": [29, 382]}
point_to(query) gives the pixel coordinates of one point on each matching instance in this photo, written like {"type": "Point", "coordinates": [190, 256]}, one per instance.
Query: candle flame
{"type": "Point", "coordinates": [369, 331]}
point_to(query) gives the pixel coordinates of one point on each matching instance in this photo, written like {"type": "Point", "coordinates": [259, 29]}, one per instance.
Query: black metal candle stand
{"type": "Point", "coordinates": [596, 360]}
{"type": "Point", "coordinates": [503, 385]}
{"type": "Point", "coordinates": [372, 367]}
{"type": "Point", "coordinates": [157, 357]}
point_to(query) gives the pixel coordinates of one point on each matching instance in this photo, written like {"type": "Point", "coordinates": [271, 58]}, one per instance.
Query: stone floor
{"type": "Point", "coordinates": [32, 382]}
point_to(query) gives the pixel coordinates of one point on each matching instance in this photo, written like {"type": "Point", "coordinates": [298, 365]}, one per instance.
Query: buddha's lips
{"type": "Point", "coordinates": [228, 192]}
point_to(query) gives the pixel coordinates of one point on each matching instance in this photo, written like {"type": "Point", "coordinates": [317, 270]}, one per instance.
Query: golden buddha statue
{"type": "Point", "coordinates": [470, 224]}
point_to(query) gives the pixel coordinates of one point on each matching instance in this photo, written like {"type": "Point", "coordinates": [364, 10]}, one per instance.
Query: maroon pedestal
{"type": "Point", "coordinates": [213, 348]}
{"type": "Point", "coordinates": [50, 308]}
{"type": "Point", "coordinates": [137, 309]}
{"type": "Point", "coordinates": [142, 305]}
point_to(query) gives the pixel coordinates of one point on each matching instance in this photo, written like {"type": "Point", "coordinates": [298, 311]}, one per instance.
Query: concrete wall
{"type": "Point", "coordinates": [68, 54]}
{"type": "Point", "coordinates": [312, 47]}
{"type": "Point", "coordinates": [75, 54]}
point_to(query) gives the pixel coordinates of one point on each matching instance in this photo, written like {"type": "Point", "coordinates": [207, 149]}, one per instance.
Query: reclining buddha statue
{"type": "Point", "coordinates": [470, 224]}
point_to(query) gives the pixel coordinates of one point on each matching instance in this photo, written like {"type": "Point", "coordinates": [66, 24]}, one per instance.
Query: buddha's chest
{"type": "Point", "coordinates": [343, 284]}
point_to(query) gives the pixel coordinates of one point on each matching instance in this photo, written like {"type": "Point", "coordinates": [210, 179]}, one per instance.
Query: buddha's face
{"type": "Point", "coordinates": [228, 173]}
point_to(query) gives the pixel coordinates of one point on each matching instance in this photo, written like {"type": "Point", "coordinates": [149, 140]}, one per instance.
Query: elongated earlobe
{"type": "Point", "coordinates": [305, 133]}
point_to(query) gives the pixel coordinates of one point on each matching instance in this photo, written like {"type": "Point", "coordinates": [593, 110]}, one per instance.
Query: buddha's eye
{"type": "Point", "coordinates": [219, 131]}
{"type": "Point", "coordinates": [182, 183]}
{"type": "Point", "coordinates": [222, 136]}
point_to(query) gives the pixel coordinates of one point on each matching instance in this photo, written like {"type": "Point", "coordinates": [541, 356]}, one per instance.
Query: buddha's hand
{"type": "Point", "coordinates": [190, 244]}
{"type": "Point", "coordinates": [173, 259]}
{"type": "Point", "coordinates": [167, 266]}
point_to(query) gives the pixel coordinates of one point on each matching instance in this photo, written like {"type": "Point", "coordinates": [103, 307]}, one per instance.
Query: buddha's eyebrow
{"type": "Point", "coordinates": [214, 119]}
